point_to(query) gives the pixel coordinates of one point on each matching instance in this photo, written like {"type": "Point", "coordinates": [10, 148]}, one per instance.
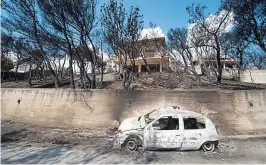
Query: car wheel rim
{"type": "Point", "coordinates": [131, 145]}
{"type": "Point", "coordinates": [208, 146]}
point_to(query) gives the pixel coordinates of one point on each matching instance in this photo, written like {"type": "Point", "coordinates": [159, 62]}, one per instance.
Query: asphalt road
{"type": "Point", "coordinates": [102, 151]}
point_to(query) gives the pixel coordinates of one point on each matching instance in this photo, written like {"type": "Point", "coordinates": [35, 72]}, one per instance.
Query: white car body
{"type": "Point", "coordinates": [180, 138]}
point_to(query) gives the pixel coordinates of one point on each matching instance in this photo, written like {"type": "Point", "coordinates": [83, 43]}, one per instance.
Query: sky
{"type": "Point", "coordinates": [167, 14]}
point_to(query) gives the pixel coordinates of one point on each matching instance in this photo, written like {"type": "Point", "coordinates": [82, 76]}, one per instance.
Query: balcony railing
{"type": "Point", "coordinates": [146, 56]}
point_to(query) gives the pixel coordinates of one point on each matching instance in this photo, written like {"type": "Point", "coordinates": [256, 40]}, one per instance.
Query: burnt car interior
{"type": "Point", "coordinates": [193, 123]}
{"type": "Point", "coordinates": [168, 123]}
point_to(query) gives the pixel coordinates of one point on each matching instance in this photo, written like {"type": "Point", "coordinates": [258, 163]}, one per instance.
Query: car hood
{"type": "Point", "coordinates": [132, 123]}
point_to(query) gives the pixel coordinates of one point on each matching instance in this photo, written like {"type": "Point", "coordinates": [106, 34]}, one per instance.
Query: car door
{"type": "Point", "coordinates": [159, 136]}
{"type": "Point", "coordinates": [193, 133]}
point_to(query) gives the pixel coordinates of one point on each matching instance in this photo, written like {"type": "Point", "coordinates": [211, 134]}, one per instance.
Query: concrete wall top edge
{"type": "Point", "coordinates": [120, 90]}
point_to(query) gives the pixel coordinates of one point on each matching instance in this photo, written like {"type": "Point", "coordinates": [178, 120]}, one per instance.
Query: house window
{"type": "Point", "coordinates": [193, 123]}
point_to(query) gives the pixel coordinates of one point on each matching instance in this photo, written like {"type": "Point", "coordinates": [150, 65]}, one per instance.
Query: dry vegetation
{"type": "Point", "coordinates": [172, 81]}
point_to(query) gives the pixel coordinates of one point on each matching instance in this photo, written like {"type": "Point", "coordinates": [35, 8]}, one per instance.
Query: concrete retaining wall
{"type": "Point", "coordinates": [230, 73]}
{"type": "Point", "coordinates": [253, 76]}
{"type": "Point", "coordinates": [233, 112]}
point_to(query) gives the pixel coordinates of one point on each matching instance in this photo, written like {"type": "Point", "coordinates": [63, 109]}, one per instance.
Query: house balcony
{"type": "Point", "coordinates": [155, 63]}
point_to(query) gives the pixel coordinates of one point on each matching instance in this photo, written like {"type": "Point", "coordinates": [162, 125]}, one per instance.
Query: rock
{"type": "Point", "coordinates": [149, 81]}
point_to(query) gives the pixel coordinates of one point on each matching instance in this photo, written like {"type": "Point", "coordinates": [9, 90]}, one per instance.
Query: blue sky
{"type": "Point", "coordinates": [167, 14]}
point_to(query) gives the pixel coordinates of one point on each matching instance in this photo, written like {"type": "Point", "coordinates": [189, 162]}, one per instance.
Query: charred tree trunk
{"type": "Point", "coordinates": [102, 65]}
{"type": "Point", "coordinates": [218, 58]}
{"type": "Point", "coordinates": [82, 84]}
{"type": "Point", "coordinates": [127, 79]}
{"type": "Point", "coordinates": [124, 80]}
{"type": "Point", "coordinates": [193, 66]}
{"type": "Point", "coordinates": [53, 74]}
{"type": "Point", "coordinates": [72, 85]}
{"type": "Point", "coordinates": [240, 58]}
{"type": "Point", "coordinates": [29, 79]}
{"type": "Point", "coordinates": [41, 73]}
{"type": "Point", "coordinates": [88, 78]}
{"type": "Point", "coordinates": [206, 70]}
{"type": "Point", "coordinates": [184, 59]}
{"type": "Point", "coordinates": [93, 81]}
{"type": "Point", "coordinates": [240, 66]}
{"type": "Point", "coordinates": [93, 63]}
{"type": "Point", "coordinates": [16, 71]}
{"type": "Point", "coordinates": [62, 70]}
{"type": "Point", "coordinates": [45, 72]}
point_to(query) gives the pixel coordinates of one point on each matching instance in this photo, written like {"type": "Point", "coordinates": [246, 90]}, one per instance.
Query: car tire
{"type": "Point", "coordinates": [131, 144]}
{"type": "Point", "coordinates": [208, 146]}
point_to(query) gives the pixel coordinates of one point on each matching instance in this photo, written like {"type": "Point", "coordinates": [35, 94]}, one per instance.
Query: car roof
{"type": "Point", "coordinates": [175, 110]}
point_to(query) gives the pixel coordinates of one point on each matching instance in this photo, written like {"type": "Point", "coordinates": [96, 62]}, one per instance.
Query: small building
{"type": "Point", "coordinates": [226, 62]}
{"type": "Point", "coordinates": [151, 51]}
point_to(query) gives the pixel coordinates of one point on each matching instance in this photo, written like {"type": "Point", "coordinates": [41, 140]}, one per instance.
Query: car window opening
{"type": "Point", "coordinates": [193, 123]}
{"type": "Point", "coordinates": [168, 123]}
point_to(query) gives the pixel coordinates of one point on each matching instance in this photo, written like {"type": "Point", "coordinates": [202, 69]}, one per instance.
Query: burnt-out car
{"type": "Point", "coordinates": [168, 128]}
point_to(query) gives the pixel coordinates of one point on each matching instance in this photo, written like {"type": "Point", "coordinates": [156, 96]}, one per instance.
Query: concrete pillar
{"type": "Point", "coordinates": [139, 68]}
{"type": "Point", "coordinates": [161, 66]}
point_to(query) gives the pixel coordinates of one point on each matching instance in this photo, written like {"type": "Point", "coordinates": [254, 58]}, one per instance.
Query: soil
{"type": "Point", "coordinates": [27, 144]}
{"type": "Point", "coordinates": [24, 132]}
{"type": "Point", "coordinates": [15, 84]}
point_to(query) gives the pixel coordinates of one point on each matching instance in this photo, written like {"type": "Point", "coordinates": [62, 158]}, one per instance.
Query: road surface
{"type": "Point", "coordinates": [230, 151]}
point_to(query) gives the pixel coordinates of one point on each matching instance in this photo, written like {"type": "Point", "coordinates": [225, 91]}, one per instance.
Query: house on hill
{"type": "Point", "coordinates": [153, 52]}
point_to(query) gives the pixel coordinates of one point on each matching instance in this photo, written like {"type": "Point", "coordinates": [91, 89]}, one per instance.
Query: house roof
{"type": "Point", "coordinates": [159, 39]}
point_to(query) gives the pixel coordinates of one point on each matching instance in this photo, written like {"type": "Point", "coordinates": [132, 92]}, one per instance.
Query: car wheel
{"type": "Point", "coordinates": [208, 147]}
{"type": "Point", "coordinates": [131, 144]}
